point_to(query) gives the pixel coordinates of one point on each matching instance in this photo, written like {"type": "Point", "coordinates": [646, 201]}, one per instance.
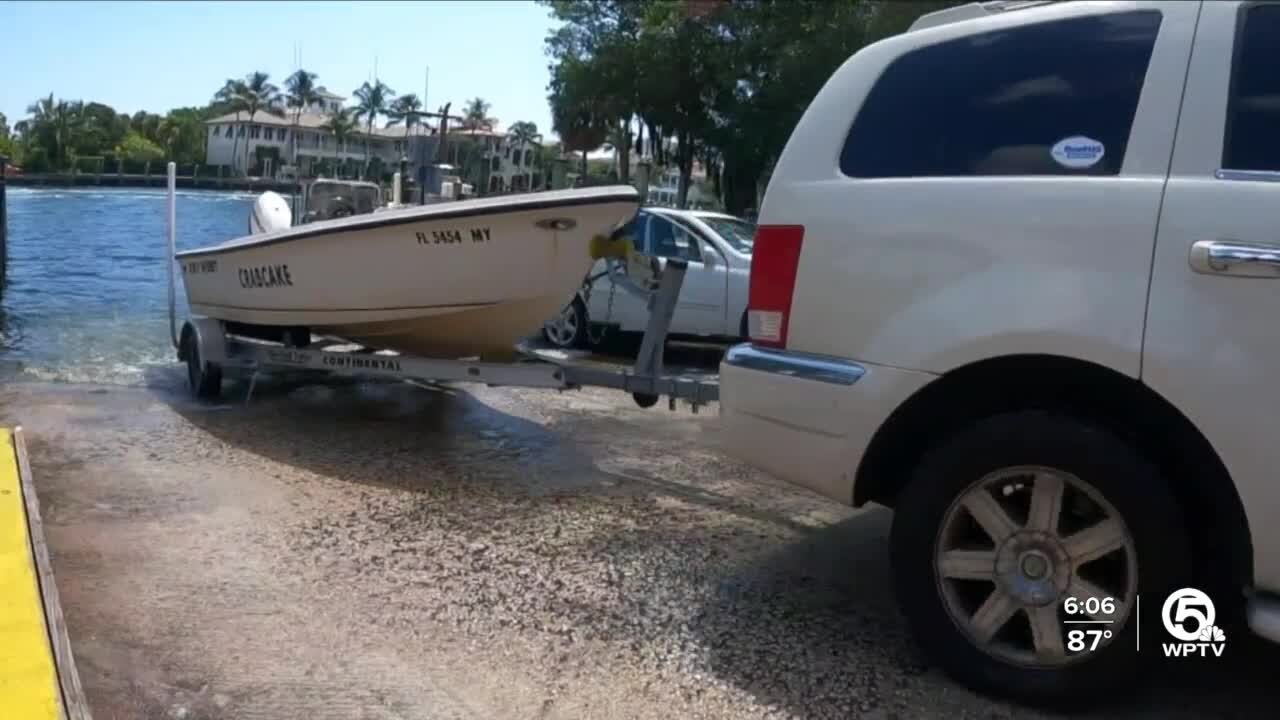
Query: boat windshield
{"type": "Point", "coordinates": [328, 200]}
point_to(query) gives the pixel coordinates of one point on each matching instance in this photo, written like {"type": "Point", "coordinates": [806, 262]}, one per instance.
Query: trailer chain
{"type": "Point", "coordinates": [593, 339]}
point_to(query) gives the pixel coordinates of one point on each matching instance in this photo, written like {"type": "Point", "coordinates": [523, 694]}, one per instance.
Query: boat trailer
{"type": "Point", "coordinates": [209, 346]}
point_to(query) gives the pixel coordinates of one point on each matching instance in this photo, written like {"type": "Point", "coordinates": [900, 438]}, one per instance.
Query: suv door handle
{"type": "Point", "coordinates": [1239, 259]}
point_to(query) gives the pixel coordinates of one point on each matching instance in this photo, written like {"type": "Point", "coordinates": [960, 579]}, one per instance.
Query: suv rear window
{"type": "Point", "coordinates": [1002, 102]}
{"type": "Point", "coordinates": [1253, 111]}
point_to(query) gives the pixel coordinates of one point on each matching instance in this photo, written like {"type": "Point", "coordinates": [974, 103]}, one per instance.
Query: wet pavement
{"type": "Point", "coordinates": [387, 551]}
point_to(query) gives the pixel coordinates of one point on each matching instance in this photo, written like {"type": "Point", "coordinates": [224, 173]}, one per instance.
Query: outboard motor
{"type": "Point", "coordinates": [270, 212]}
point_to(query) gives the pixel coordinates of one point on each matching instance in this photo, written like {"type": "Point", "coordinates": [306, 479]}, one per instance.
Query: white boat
{"type": "Point", "coordinates": [457, 279]}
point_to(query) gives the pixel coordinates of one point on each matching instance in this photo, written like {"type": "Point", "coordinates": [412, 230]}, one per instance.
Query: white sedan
{"type": "Point", "coordinates": [713, 299]}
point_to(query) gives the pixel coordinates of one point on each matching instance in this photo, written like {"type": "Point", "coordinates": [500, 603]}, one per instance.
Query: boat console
{"type": "Point", "coordinates": [328, 199]}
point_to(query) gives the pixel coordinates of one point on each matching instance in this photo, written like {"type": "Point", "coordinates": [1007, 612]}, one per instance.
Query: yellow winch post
{"type": "Point", "coordinates": [602, 247]}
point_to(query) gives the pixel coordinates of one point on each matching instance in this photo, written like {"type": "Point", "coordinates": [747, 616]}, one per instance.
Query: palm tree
{"type": "Point", "coordinates": [372, 101]}
{"type": "Point", "coordinates": [301, 87]}
{"type": "Point", "coordinates": [260, 96]}
{"type": "Point", "coordinates": [476, 116]}
{"type": "Point", "coordinates": [521, 135]}
{"type": "Point", "coordinates": [232, 95]}
{"type": "Point", "coordinates": [405, 109]}
{"type": "Point", "coordinates": [41, 112]}
{"type": "Point", "coordinates": [170, 134]}
{"type": "Point", "coordinates": [343, 126]}
{"type": "Point", "coordinates": [57, 120]}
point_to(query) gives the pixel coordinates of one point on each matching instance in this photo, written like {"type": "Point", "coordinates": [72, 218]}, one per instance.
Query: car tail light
{"type": "Point", "coordinates": [775, 257]}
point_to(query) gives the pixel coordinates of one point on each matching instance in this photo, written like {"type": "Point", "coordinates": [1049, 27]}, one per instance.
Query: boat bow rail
{"type": "Point", "coordinates": [208, 346]}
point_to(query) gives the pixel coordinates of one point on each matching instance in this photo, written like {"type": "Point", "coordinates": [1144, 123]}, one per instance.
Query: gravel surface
{"type": "Point", "coordinates": [384, 551]}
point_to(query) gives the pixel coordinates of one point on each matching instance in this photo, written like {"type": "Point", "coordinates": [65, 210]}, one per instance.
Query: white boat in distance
{"type": "Point", "coordinates": [447, 280]}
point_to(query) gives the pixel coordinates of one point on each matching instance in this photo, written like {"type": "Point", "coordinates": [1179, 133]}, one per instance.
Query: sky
{"type": "Point", "coordinates": [155, 56]}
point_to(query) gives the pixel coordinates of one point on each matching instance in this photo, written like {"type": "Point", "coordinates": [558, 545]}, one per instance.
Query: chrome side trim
{"type": "Point", "coordinates": [1255, 175]}
{"type": "Point", "coordinates": [793, 364]}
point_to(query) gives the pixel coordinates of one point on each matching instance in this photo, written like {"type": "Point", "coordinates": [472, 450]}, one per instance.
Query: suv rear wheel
{"type": "Point", "coordinates": [1015, 530]}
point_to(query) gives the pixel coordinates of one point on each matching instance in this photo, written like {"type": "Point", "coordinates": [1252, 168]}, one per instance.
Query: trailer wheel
{"type": "Point", "coordinates": [645, 400]}
{"type": "Point", "coordinates": [204, 378]}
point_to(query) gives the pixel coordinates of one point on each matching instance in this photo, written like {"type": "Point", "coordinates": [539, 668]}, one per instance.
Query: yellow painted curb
{"type": "Point", "coordinates": [37, 675]}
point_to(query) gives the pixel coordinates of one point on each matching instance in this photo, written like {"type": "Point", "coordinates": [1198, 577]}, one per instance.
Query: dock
{"type": "Point", "coordinates": [38, 678]}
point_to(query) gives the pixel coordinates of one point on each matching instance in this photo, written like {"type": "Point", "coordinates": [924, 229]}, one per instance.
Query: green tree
{"type": "Point", "coordinates": [545, 156]}
{"type": "Point", "coordinates": [136, 147]}
{"type": "Point", "coordinates": [51, 124]}
{"type": "Point", "coordinates": [146, 124]}
{"type": "Point", "coordinates": [8, 148]}
{"type": "Point", "coordinates": [301, 93]}
{"type": "Point", "coordinates": [606, 35]}
{"type": "Point", "coordinates": [101, 129]}
{"type": "Point", "coordinates": [575, 114]}
{"type": "Point", "coordinates": [183, 134]}
{"type": "Point", "coordinates": [521, 136]}
{"type": "Point", "coordinates": [170, 136]}
{"type": "Point", "coordinates": [343, 125]}
{"type": "Point", "coordinates": [476, 115]}
{"type": "Point", "coordinates": [406, 109]}
{"type": "Point", "coordinates": [372, 100]}
{"type": "Point", "coordinates": [685, 49]}
{"type": "Point", "coordinates": [259, 95]}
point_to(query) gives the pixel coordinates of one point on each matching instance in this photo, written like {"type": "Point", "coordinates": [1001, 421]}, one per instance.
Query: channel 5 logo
{"type": "Point", "coordinates": [1188, 616]}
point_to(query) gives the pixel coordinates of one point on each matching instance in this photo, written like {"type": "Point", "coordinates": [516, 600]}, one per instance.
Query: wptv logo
{"type": "Point", "coordinates": [1189, 616]}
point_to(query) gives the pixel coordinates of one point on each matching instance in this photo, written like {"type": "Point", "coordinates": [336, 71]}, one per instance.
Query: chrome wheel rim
{"type": "Point", "coordinates": [564, 328]}
{"type": "Point", "coordinates": [1019, 544]}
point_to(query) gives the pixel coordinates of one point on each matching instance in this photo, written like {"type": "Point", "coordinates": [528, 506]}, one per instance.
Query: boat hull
{"type": "Point", "coordinates": [451, 280]}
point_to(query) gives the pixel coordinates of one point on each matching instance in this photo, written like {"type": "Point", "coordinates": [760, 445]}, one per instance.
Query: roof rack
{"type": "Point", "coordinates": [971, 11]}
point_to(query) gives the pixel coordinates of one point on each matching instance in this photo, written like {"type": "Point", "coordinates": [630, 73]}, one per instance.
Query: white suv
{"type": "Point", "coordinates": [1017, 276]}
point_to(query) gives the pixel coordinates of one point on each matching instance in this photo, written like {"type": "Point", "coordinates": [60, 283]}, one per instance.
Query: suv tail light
{"type": "Point", "coordinates": [775, 257]}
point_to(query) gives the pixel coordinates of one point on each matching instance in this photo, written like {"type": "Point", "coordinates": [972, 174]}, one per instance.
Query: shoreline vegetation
{"type": "Point", "coordinates": [74, 142]}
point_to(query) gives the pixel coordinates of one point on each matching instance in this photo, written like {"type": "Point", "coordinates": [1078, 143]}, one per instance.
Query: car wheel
{"type": "Point", "coordinates": [1018, 524]}
{"type": "Point", "coordinates": [569, 328]}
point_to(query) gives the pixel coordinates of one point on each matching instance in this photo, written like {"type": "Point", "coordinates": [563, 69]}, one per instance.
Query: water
{"type": "Point", "coordinates": [87, 296]}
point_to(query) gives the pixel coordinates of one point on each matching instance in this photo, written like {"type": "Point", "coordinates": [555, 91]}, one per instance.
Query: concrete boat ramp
{"type": "Point", "coordinates": [378, 551]}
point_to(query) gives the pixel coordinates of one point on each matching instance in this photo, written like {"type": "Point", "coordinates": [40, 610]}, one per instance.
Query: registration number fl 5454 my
{"type": "Point", "coordinates": [452, 237]}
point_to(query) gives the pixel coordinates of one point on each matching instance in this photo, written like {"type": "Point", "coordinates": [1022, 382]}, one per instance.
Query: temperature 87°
{"type": "Point", "coordinates": [1086, 640]}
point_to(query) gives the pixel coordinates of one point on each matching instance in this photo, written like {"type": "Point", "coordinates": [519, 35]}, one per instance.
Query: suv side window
{"type": "Point", "coordinates": [1253, 107]}
{"type": "Point", "coordinates": [1032, 100]}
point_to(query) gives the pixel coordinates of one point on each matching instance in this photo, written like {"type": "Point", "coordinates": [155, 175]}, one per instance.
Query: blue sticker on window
{"type": "Point", "coordinates": [1078, 152]}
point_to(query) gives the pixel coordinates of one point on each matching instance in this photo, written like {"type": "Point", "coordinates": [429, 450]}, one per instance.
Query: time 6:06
{"type": "Point", "coordinates": [1091, 606]}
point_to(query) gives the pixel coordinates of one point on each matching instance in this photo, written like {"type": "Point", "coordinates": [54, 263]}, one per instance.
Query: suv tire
{"type": "Point", "coordinates": [932, 509]}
